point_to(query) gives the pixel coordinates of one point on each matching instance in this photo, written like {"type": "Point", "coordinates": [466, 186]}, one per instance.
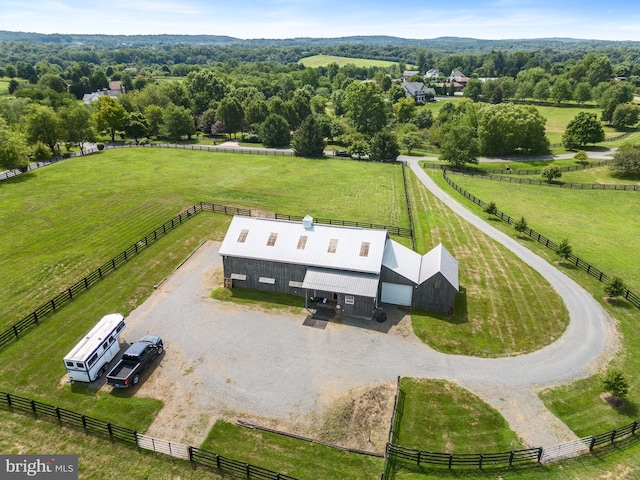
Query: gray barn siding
{"type": "Point", "coordinates": [435, 295]}
{"type": "Point", "coordinates": [254, 269]}
{"type": "Point", "coordinates": [426, 296]}
{"type": "Point", "coordinates": [362, 307]}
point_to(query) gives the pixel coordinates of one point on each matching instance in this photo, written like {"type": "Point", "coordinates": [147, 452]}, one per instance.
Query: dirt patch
{"type": "Point", "coordinates": [611, 400]}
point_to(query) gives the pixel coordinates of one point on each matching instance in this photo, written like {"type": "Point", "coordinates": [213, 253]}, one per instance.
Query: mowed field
{"type": "Point", "coordinates": [316, 61]}
{"type": "Point", "coordinates": [122, 196]}
{"type": "Point", "coordinates": [61, 222]}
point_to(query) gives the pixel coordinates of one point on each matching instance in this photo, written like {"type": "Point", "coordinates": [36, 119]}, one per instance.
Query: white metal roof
{"type": "Point", "coordinates": [95, 336]}
{"type": "Point", "coordinates": [287, 246]}
{"type": "Point", "coordinates": [419, 269]}
{"type": "Point", "coordinates": [350, 283]}
{"type": "Point", "coordinates": [439, 260]}
{"type": "Point", "coordinates": [402, 260]}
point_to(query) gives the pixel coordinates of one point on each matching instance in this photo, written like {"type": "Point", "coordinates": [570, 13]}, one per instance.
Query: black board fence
{"type": "Point", "coordinates": [483, 171]}
{"type": "Point", "coordinates": [128, 436]}
{"type": "Point", "coordinates": [602, 277]}
{"type": "Point", "coordinates": [544, 183]}
{"type": "Point", "coordinates": [34, 318]}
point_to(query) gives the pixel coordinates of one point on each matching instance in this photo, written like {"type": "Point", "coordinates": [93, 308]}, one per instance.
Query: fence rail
{"type": "Point", "coordinates": [528, 181]}
{"type": "Point", "coordinates": [34, 318]}
{"type": "Point", "coordinates": [602, 277]}
{"type": "Point", "coordinates": [133, 438]}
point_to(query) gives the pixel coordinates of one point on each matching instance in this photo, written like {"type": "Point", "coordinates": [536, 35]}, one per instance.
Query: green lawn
{"type": "Point", "coordinates": [98, 458]}
{"type": "Point", "coordinates": [496, 288]}
{"type": "Point", "coordinates": [61, 222]}
{"type": "Point", "coordinates": [300, 459]}
{"type": "Point", "coordinates": [4, 88]}
{"type": "Point", "coordinates": [579, 404]}
{"type": "Point", "coordinates": [439, 416]}
{"type": "Point", "coordinates": [600, 225]}
{"type": "Point", "coordinates": [316, 61]}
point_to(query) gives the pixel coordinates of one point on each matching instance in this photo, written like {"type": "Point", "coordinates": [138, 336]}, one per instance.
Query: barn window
{"type": "Point", "coordinates": [268, 280]}
{"type": "Point", "coordinates": [293, 283]}
{"type": "Point", "coordinates": [243, 235]}
{"type": "Point", "coordinates": [302, 242]}
{"type": "Point", "coordinates": [273, 236]}
{"type": "Point", "coordinates": [238, 276]}
{"type": "Point", "coordinates": [349, 300]}
{"type": "Point", "coordinates": [333, 244]}
{"type": "Point", "coordinates": [364, 249]}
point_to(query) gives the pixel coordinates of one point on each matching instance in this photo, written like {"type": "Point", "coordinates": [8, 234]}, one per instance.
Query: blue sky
{"type": "Point", "coordinates": [497, 19]}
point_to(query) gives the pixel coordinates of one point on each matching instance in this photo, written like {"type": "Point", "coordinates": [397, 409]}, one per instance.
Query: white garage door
{"type": "Point", "coordinates": [397, 294]}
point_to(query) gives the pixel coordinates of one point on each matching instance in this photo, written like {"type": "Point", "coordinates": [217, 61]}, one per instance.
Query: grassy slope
{"type": "Point", "coordinates": [599, 224]}
{"type": "Point", "coordinates": [112, 199]}
{"type": "Point", "coordinates": [316, 61]}
{"type": "Point", "coordinates": [578, 404]}
{"type": "Point", "coordinates": [436, 416]}
{"type": "Point", "coordinates": [496, 288]}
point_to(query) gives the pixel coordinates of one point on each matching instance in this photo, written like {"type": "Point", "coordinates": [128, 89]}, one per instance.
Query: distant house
{"type": "Point", "coordinates": [407, 74]}
{"type": "Point", "coordinates": [418, 91]}
{"type": "Point", "coordinates": [432, 73]}
{"type": "Point", "coordinates": [456, 76]}
{"type": "Point", "coordinates": [352, 270]}
{"type": "Point", "coordinates": [115, 89]}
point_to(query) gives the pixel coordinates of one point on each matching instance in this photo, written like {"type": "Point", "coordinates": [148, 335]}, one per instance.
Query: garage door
{"type": "Point", "coordinates": [397, 294]}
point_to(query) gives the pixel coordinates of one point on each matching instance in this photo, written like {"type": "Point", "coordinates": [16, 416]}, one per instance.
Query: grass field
{"type": "Point", "coordinates": [168, 183]}
{"type": "Point", "coordinates": [595, 222]}
{"type": "Point", "coordinates": [316, 61]}
{"type": "Point", "coordinates": [112, 199]}
{"type": "Point", "coordinates": [579, 404]}
{"type": "Point", "coordinates": [432, 412]}
{"type": "Point", "coordinates": [496, 288]}
{"type": "Point", "coordinates": [4, 88]}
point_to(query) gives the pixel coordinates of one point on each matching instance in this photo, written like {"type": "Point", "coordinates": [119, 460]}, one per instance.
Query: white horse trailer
{"type": "Point", "coordinates": [90, 358]}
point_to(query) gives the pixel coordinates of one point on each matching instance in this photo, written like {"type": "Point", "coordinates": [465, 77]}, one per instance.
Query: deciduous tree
{"type": "Point", "coordinates": [551, 173]}
{"type": "Point", "coordinates": [626, 161]}
{"type": "Point", "coordinates": [365, 107]}
{"type": "Point", "coordinates": [43, 124]}
{"type": "Point", "coordinates": [584, 128]}
{"type": "Point", "coordinates": [109, 115]}
{"type": "Point", "coordinates": [459, 144]}
{"type": "Point", "coordinates": [14, 150]}
{"type": "Point", "coordinates": [177, 122]}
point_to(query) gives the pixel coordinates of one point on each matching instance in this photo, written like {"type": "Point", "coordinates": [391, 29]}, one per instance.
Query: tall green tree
{"type": "Point", "coordinates": [77, 124]}
{"type": "Point", "coordinates": [230, 113]}
{"type": "Point", "coordinates": [14, 150]}
{"type": "Point", "coordinates": [507, 129]}
{"type": "Point", "coordinates": [561, 90]}
{"type": "Point", "coordinates": [137, 126]}
{"type": "Point", "coordinates": [405, 110]}
{"type": "Point", "coordinates": [274, 131]}
{"type": "Point", "coordinates": [177, 122]}
{"type": "Point", "coordinates": [43, 125]}
{"type": "Point", "coordinates": [613, 96]}
{"type": "Point", "coordinates": [473, 89]}
{"type": "Point", "coordinates": [625, 115]}
{"type": "Point", "coordinates": [584, 128]}
{"type": "Point", "coordinates": [308, 140]}
{"type": "Point", "coordinates": [626, 161]}
{"type": "Point", "coordinates": [459, 144]}
{"type": "Point", "coordinates": [365, 107]}
{"type": "Point", "coordinates": [551, 172]}
{"type": "Point", "coordinates": [154, 117]}
{"type": "Point", "coordinates": [204, 88]}
{"type": "Point", "coordinates": [110, 116]}
{"type": "Point", "coordinates": [384, 147]}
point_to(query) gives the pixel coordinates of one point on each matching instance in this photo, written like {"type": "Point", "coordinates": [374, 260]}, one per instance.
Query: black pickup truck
{"type": "Point", "coordinates": [134, 361]}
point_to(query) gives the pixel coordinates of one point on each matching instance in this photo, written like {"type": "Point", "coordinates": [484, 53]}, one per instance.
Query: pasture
{"type": "Point", "coordinates": [112, 199]}
{"type": "Point", "coordinates": [579, 404]}
{"type": "Point", "coordinates": [316, 61]}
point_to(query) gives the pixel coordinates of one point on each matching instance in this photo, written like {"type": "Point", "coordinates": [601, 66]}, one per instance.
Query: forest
{"type": "Point", "coordinates": [177, 87]}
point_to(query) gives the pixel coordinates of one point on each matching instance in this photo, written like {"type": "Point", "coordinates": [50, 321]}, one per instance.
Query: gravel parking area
{"type": "Point", "coordinates": [224, 360]}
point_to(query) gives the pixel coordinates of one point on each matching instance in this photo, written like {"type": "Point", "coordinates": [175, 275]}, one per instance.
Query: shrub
{"type": "Point", "coordinates": [491, 208]}
{"type": "Point", "coordinates": [250, 138]}
{"type": "Point", "coordinates": [614, 287]}
{"type": "Point", "coordinates": [615, 383]}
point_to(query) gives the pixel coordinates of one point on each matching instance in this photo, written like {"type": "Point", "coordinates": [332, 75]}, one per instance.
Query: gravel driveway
{"type": "Point", "coordinates": [226, 359]}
